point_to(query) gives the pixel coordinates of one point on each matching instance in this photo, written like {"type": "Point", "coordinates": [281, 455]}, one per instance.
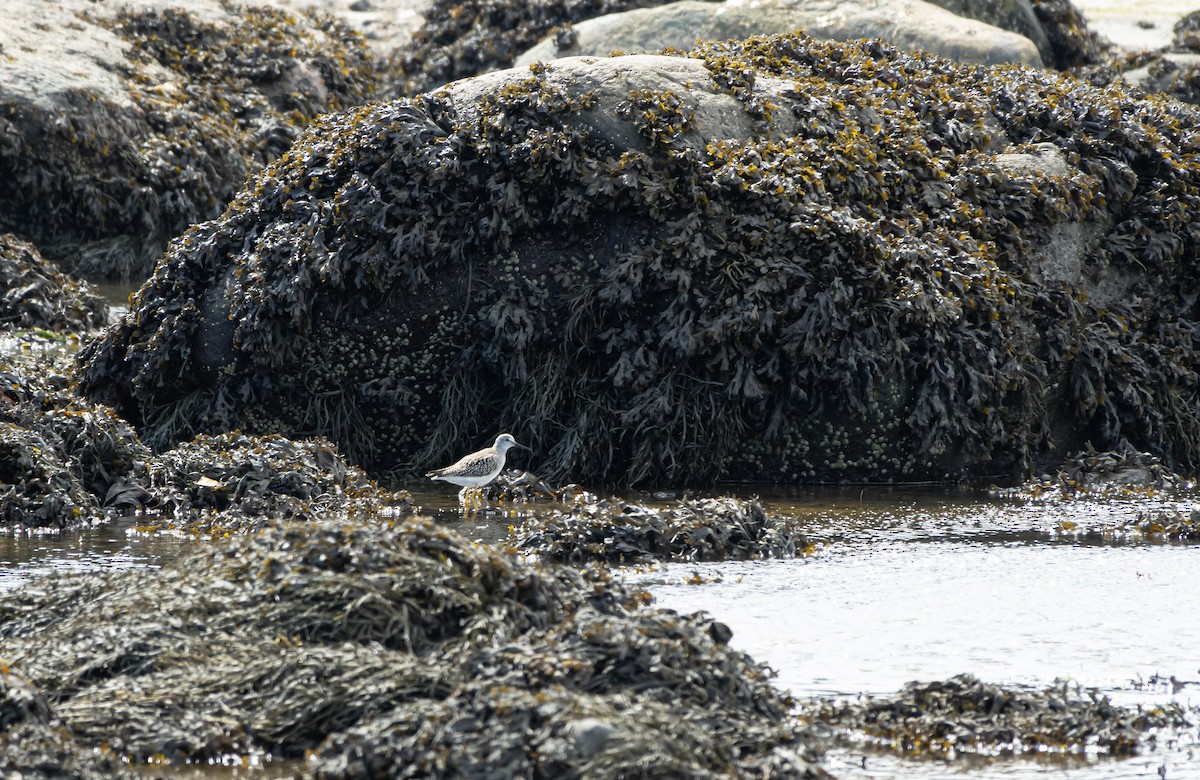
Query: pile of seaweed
{"type": "Point", "coordinates": [105, 187]}
{"type": "Point", "coordinates": [389, 645]}
{"type": "Point", "coordinates": [1156, 526]}
{"type": "Point", "coordinates": [964, 715]}
{"type": "Point", "coordinates": [34, 293]}
{"type": "Point", "coordinates": [35, 743]}
{"type": "Point", "coordinates": [59, 454]}
{"type": "Point", "coordinates": [66, 462]}
{"type": "Point", "coordinates": [617, 531]}
{"type": "Point", "coordinates": [233, 483]}
{"type": "Point", "coordinates": [1121, 472]}
{"type": "Point", "coordinates": [857, 289]}
{"type": "Point", "coordinates": [461, 39]}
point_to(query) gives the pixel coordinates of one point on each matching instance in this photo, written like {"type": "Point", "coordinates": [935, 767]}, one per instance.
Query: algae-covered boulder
{"type": "Point", "coordinates": [908, 24]}
{"type": "Point", "coordinates": [393, 646]}
{"type": "Point", "coordinates": [34, 293]}
{"type": "Point", "coordinates": [152, 117]}
{"type": "Point", "coordinates": [778, 259]}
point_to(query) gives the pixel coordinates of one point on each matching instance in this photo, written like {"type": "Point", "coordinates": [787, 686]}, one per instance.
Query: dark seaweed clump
{"type": "Point", "coordinates": [964, 715]}
{"type": "Point", "coordinates": [105, 187]}
{"type": "Point", "coordinates": [393, 645]}
{"type": "Point", "coordinates": [34, 293]}
{"type": "Point", "coordinates": [461, 39]}
{"type": "Point", "coordinates": [232, 483]}
{"type": "Point", "coordinates": [59, 454]}
{"type": "Point", "coordinates": [862, 287]}
{"type": "Point", "coordinates": [1123, 471]}
{"type": "Point", "coordinates": [616, 531]}
{"type": "Point", "coordinates": [34, 743]}
{"type": "Point", "coordinates": [1187, 33]}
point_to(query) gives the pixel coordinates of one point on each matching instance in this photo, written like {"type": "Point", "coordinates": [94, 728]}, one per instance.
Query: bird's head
{"type": "Point", "coordinates": [505, 442]}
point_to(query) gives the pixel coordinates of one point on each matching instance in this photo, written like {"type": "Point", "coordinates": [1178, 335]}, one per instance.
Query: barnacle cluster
{"type": "Point", "coordinates": [34, 293]}
{"type": "Point", "coordinates": [897, 268]}
{"type": "Point", "coordinates": [964, 715]}
{"type": "Point", "coordinates": [616, 531]}
{"type": "Point", "coordinates": [461, 39]}
{"type": "Point", "coordinates": [395, 645]}
{"type": "Point", "coordinates": [104, 182]}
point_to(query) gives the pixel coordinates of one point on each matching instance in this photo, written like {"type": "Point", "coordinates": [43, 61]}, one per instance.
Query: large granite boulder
{"type": "Point", "coordinates": [779, 259]}
{"type": "Point", "coordinates": [121, 125]}
{"type": "Point", "coordinates": [909, 24]}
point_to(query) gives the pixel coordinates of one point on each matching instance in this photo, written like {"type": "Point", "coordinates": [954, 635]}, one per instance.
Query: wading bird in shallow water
{"type": "Point", "coordinates": [478, 468]}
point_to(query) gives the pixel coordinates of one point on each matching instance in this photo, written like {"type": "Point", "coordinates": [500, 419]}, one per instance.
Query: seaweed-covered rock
{"type": "Point", "coordinates": [230, 483]}
{"type": "Point", "coordinates": [1153, 527]}
{"type": "Point", "coordinates": [1120, 472]}
{"type": "Point", "coordinates": [59, 453]}
{"type": "Point", "coordinates": [964, 715]}
{"type": "Point", "coordinates": [460, 39]}
{"type": "Point", "coordinates": [908, 24]}
{"type": "Point", "coordinates": [1170, 73]}
{"type": "Point", "coordinates": [777, 259]}
{"type": "Point", "coordinates": [1073, 43]}
{"type": "Point", "coordinates": [1187, 33]}
{"type": "Point", "coordinates": [351, 633]}
{"type": "Point", "coordinates": [710, 529]}
{"type": "Point", "coordinates": [34, 293]}
{"type": "Point", "coordinates": [153, 117]}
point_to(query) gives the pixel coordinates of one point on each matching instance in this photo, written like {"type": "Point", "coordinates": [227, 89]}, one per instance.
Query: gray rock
{"type": "Point", "coordinates": [909, 24]}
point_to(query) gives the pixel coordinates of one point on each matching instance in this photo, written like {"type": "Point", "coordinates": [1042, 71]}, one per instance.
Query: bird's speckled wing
{"type": "Point", "coordinates": [477, 464]}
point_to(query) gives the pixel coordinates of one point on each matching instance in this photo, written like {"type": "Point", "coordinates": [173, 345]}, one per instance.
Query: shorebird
{"type": "Point", "coordinates": [478, 468]}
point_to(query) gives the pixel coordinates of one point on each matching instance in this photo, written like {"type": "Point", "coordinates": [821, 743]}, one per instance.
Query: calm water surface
{"type": "Point", "coordinates": [905, 586]}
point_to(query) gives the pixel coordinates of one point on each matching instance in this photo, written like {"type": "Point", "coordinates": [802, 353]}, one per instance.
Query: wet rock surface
{"type": "Point", "coordinates": [152, 118]}
{"type": "Point", "coordinates": [616, 531]}
{"type": "Point", "coordinates": [34, 293]}
{"type": "Point", "coordinates": [385, 645]}
{"type": "Point", "coordinates": [755, 263]}
{"type": "Point", "coordinates": [964, 715]}
{"type": "Point", "coordinates": [912, 24]}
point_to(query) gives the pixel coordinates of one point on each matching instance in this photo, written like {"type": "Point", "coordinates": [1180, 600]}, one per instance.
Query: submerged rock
{"type": "Point", "coordinates": [385, 644]}
{"type": "Point", "coordinates": [152, 118]}
{"type": "Point", "coordinates": [34, 293]}
{"type": "Point", "coordinates": [964, 715]}
{"type": "Point", "coordinates": [709, 529]}
{"type": "Point", "coordinates": [908, 24]}
{"type": "Point", "coordinates": [773, 260]}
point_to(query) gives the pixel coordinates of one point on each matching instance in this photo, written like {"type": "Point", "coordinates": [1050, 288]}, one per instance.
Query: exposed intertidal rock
{"type": "Point", "coordinates": [915, 25]}
{"type": "Point", "coordinates": [709, 529]}
{"type": "Point", "coordinates": [389, 643]}
{"type": "Point", "coordinates": [964, 715]}
{"type": "Point", "coordinates": [34, 293]}
{"type": "Point", "coordinates": [771, 260]}
{"type": "Point", "coordinates": [153, 117]}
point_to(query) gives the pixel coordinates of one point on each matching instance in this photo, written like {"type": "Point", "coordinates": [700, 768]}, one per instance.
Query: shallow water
{"type": "Point", "coordinates": [906, 585]}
